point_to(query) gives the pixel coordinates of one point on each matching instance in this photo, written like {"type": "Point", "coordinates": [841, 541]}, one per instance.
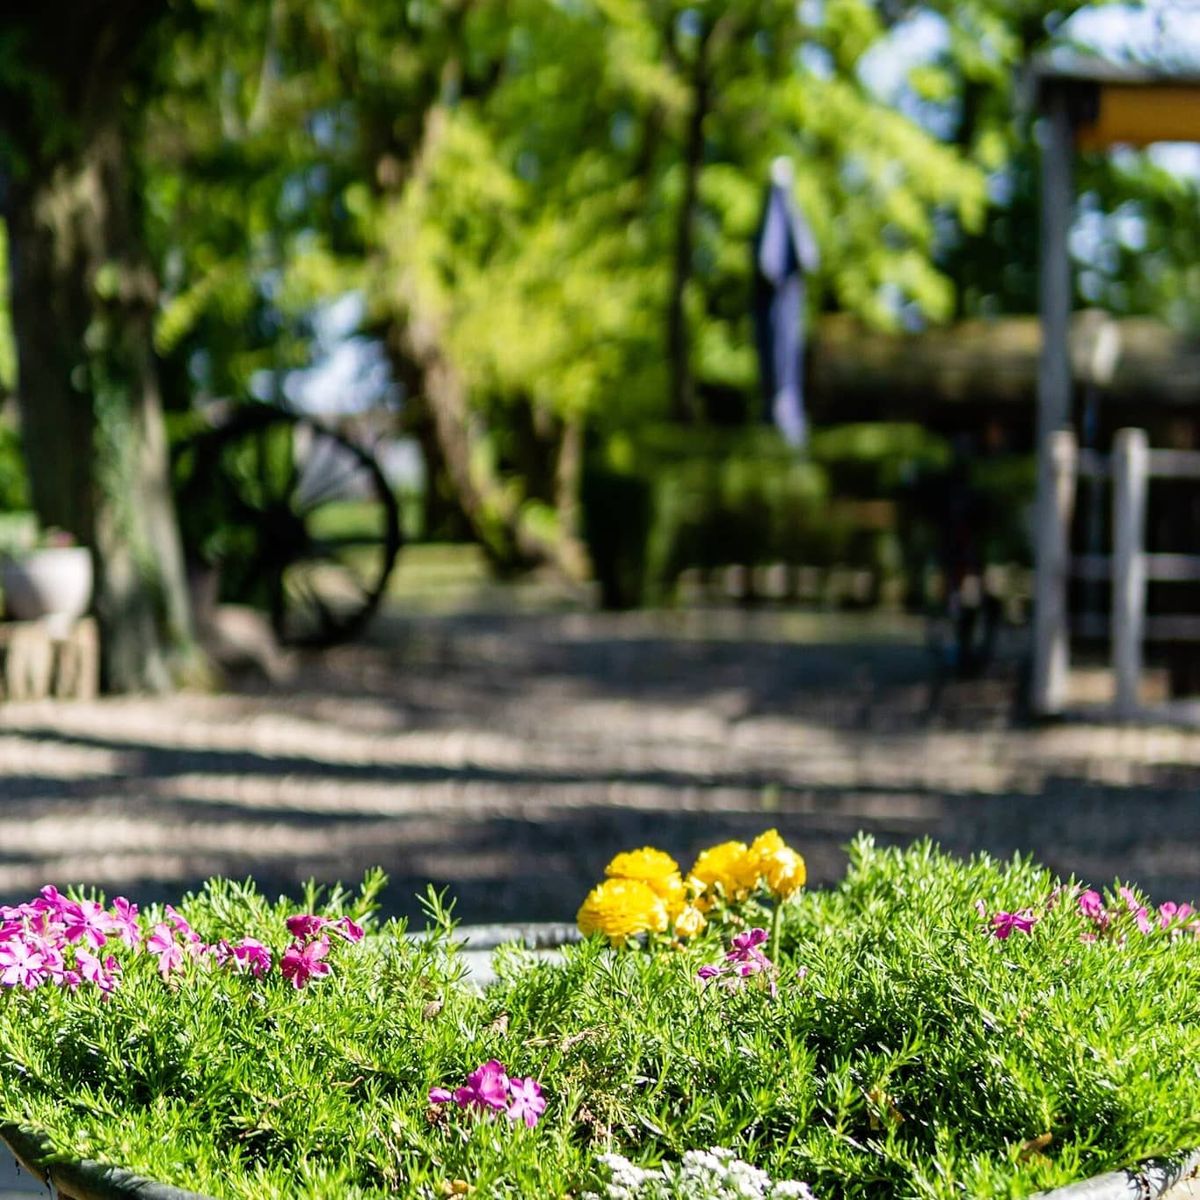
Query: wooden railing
{"type": "Point", "coordinates": [1129, 567]}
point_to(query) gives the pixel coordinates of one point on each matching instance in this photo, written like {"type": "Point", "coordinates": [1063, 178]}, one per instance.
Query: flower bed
{"type": "Point", "coordinates": [930, 1028]}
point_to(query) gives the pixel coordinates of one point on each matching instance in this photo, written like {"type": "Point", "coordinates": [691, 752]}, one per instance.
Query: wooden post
{"type": "Point", "coordinates": [1131, 462]}
{"type": "Point", "coordinates": [1055, 446]}
{"type": "Point", "coordinates": [1054, 268]}
{"type": "Point", "coordinates": [1051, 635]}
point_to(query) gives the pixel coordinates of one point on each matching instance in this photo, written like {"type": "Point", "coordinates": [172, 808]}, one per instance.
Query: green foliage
{"type": "Point", "coordinates": [678, 498]}
{"type": "Point", "coordinates": [909, 1052]}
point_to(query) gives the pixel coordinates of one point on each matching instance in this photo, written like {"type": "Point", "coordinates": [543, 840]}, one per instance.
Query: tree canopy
{"type": "Point", "coordinates": [544, 207]}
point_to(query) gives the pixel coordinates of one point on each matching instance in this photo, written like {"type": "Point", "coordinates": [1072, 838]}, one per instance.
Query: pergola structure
{"type": "Point", "coordinates": [1086, 103]}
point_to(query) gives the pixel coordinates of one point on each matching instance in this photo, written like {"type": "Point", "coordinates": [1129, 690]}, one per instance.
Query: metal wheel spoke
{"type": "Point", "coordinates": [296, 517]}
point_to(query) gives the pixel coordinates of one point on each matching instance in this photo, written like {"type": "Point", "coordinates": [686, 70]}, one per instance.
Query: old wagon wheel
{"type": "Point", "coordinates": [298, 519]}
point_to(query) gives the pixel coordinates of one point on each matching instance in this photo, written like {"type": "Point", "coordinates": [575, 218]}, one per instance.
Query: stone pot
{"type": "Point", "coordinates": [53, 584]}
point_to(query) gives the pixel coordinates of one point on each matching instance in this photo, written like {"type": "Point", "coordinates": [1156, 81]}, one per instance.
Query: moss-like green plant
{"type": "Point", "coordinates": [907, 1048]}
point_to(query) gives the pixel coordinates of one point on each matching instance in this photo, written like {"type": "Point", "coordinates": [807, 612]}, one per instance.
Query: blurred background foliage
{"type": "Point", "coordinates": [538, 215]}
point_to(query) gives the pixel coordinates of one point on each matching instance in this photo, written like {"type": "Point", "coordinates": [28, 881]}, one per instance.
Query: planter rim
{"type": "Point", "coordinates": [1147, 1181]}
{"type": "Point", "coordinates": [84, 1179]}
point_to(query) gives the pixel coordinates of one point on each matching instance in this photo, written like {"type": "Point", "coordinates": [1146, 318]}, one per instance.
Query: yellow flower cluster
{"type": "Point", "coordinates": [738, 870]}
{"type": "Point", "coordinates": [644, 891]}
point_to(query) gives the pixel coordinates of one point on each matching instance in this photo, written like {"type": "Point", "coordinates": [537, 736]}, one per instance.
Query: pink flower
{"type": "Point", "coordinates": [1131, 901]}
{"type": "Point", "coordinates": [124, 923]}
{"type": "Point", "coordinates": [352, 931]}
{"type": "Point", "coordinates": [1092, 907]}
{"type": "Point", "coordinates": [102, 974]}
{"type": "Point", "coordinates": [192, 942]}
{"type": "Point", "coordinates": [50, 896]}
{"type": "Point", "coordinates": [85, 921]}
{"type": "Point", "coordinates": [1003, 923]}
{"type": "Point", "coordinates": [21, 965]}
{"type": "Point", "coordinates": [440, 1095]}
{"type": "Point", "coordinates": [744, 960]}
{"type": "Point", "coordinates": [250, 956]}
{"type": "Point", "coordinates": [162, 944]}
{"type": "Point", "coordinates": [749, 939]}
{"type": "Point", "coordinates": [527, 1103]}
{"type": "Point", "coordinates": [1171, 913]}
{"type": "Point", "coordinates": [488, 1085]}
{"type": "Point", "coordinates": [301, 962]}
{"type": "Point", "coordinates": [305, 925]}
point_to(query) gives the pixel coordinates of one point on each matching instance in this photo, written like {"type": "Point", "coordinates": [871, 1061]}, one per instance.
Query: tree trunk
{"type": "Point", "coordinates": [679, 355]}
{"type": "Point", "coordinates": [488, 502]}
{"type": "Point", "coordinates": [82, 302]}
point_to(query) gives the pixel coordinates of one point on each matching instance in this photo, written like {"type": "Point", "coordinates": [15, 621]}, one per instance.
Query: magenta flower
{"type": "Point", "coordinates": [750, 939]}
{"type": "Point", "coordinates": [1003, 923]}
{"type": "Point", "coordinates": [21, 965]}
{"type": "Point", "coordinates": [250, 956]}
{"type": "Point", "coordinates": [102, 974]}
{"type": "Point", "coordinates": [489, 1089]}
{"type": "Point", "coordinates": [193, 945]}
{"type": "Point", "coordinates": [487, 1085]}
{"type": "Point", "coordinates": [527, 1103]}
{"type": "Point", "coordinates": [1092, 907]}
{"type": "Point", "coordinates": [300, 962]}
{"type": "Point", "coordinates": [162, 944]}
{"type": "Point", "coordinates": [124, 923]}
{"type": "Point", "coordinates": [744, 960]}
{"type": "Point", "coordinates": [85, 921]}
{"type": "Point", "coordinates": [352, 931]}
{"type": "Point", "coordinates": [305, 925]}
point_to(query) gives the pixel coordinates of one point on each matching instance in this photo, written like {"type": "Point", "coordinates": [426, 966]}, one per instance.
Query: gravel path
{"type": "Point", "coordinates": [509, 757]}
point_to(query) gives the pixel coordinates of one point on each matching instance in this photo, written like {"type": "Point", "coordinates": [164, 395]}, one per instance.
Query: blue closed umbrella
{"type": "Point", "coordinates": [784, 252]}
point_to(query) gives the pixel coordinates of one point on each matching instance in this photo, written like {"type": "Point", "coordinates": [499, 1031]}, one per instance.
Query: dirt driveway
{"type": "Point", "coordinates": [509, 757]}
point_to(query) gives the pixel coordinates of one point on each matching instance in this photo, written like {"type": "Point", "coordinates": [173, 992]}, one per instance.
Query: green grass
{"type": "Point", "coordinates": [919, 1056]}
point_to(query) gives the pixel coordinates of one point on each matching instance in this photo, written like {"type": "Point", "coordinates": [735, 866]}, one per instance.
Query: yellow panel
{"type": "Point", "coordinates": [1136, 115]}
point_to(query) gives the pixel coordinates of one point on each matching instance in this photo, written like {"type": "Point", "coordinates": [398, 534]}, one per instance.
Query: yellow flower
{"type": "Point", "coordinates": [766, 844]}
{"type": "Point", "coordinates": [689, 922]}
{"type": "Point", "coordinates": [785, 872]}
{"type": "Point", "coordinates": [781, 868]}
{"type": "Point", "coordinates": [731, 865]}
{"type": "Point", "coordinates": [656, 869]}
{"type": "Point", "coordinates": [645, 864]}
{"type": "Point", "coordinates": [621, 909]}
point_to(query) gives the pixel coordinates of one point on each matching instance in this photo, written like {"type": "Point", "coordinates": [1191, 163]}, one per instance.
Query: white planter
{"type": "Point", "coordinates": [53, 585]}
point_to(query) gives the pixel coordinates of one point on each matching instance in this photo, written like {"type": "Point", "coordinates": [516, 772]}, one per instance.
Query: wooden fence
{"type": "Point", "coordinates": [1129, 567]}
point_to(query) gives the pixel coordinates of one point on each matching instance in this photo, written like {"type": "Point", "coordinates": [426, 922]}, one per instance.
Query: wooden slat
{"type": "Point", "coordinates": [1161, 629]}
{"type": "Point", "coordinates": [1161, 568]}
{"type": "Point", "coordinates": [1175, 464]}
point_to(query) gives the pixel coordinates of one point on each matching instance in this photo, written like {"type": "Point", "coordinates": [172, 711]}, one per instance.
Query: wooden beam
{"type": "Point", "coordinates": [861, 373]}
{"type": "Point", "coordinates": [1141, 114]}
